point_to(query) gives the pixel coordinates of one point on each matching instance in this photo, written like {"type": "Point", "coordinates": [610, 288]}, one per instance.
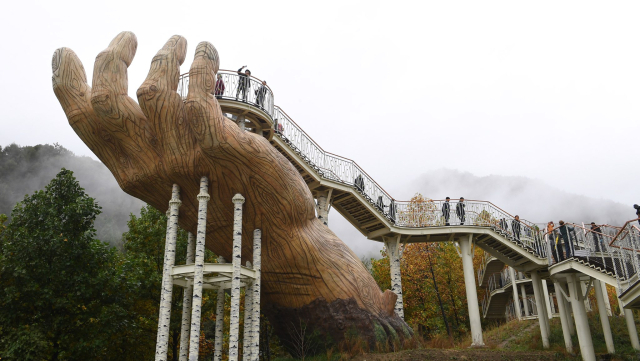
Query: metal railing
{"type": "Point", "coordinates": [510, 312]}
{"type": "Point", "coordinates": [232, 86]}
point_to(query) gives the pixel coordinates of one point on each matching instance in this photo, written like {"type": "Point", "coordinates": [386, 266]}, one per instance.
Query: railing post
{"type": "Point", "coordinates": [198, 276]}
{"type": "Point", "coordinates": [164, 318]}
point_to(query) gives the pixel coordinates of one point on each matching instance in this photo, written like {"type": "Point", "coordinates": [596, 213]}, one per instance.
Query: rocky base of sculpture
{"type": "Point", "coordinates": [320, 325]}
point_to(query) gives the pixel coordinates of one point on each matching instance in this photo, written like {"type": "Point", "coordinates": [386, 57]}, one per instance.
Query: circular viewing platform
{"type": "Point", "coordinates": [242, 99]}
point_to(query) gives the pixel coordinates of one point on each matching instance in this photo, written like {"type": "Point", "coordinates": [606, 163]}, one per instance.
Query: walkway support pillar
{"type": "Point", "coordinates": [247, 338]}
{"type": "Point", "coordinates": [580, 316]}
{"type": "Point", "coordinates": [186, 304]}
{"type": "Point", "coordinates": [393, 249]}
{"type": "Point", "coordinates": [524, 300]}
{"type": "Point", "coordinates": [516, 299]}
{"type": "Point", "coordinates": [257, 266]}
{"type": "Point", "coordinates": [604, 317]}
{"type": "Point", "coordinates": [564, 320]}
{"type": "Point", "coordinates": [542, 308]}
{"type": "Point", "coordinates": [631, 327]}
{"type": "Point", "coordinates": [466, 252]}
{"type": "Point", "coordinates": [323, 205]}
{"type": "Point", "coordinates": [164, 318]}
{"type": "Point", "coordinates": [217, 353]}
{"type": "Point", "coordinates": [547, 300]}
{"type": "Point", "coordinates": [605, 293]}
{"type": "Point", "coordinates": [198, 275]}
{"type": "Point", "coordinates": [236, 260]}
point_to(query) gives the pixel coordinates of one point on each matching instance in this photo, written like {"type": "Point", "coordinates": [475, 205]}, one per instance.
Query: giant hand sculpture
{"type": "Point", "coordinates": [308, 272]}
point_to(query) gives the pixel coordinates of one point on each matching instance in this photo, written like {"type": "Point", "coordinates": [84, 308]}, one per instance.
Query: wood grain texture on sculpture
{"type": "Point", "coordinates": [162, 140]}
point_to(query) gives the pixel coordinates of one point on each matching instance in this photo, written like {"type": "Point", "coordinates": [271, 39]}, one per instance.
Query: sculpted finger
{"type": "Point", "coordinates": [160, 101]}
{"type": "Point", "coordinates": [118, 113]}
{"type": "Point", "coordinates": [201, 108]}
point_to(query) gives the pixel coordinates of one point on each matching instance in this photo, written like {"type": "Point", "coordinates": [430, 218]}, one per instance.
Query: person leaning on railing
{"type": "Point", "coordinates": [261, 94]}
{"type": "Point", "coordinates": [597, 237]}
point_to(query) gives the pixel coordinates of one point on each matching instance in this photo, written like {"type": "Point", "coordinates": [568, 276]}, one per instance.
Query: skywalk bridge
{"type": "Point", "coordinates": [340, 183]}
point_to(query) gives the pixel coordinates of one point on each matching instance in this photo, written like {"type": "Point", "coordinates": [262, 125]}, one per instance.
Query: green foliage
{"type": "Point", "coordinates": [63, 294]}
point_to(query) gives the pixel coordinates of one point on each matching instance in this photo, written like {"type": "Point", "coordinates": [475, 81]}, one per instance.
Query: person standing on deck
{"type": "Point", "coordinates": [446, 211]}
{"type": "Point", "coordinates": [565, 232]}
{"type": "Point", "coordinates": [516, 227]}
{"type": "Point", "coordinates": [243, 83]}
{"type": "Point", "coordinates": [460, 210]}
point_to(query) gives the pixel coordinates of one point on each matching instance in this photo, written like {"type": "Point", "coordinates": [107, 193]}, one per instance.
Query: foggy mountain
{"type": "Point", "coordinates": [24, 170]}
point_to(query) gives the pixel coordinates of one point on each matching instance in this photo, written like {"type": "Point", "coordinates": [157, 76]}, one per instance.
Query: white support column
{"type": "Point", "coordinates": [542, 308]}
{"type": "Point", "coordinates": [186, 305]}
{"type": "Point", "coordinates": [466, 252]}
{"type": "Point", "coordinates": [569, 309]}
{"type": "Point", "coordinates": [604, 317]}
{"type": "Point", "coordinates": [587, 303]}
{"type": "Point", "coordinates": [516, 299]}
{"type": "Point", "coordinates": [247, 338]}
{"type": "Point", "coordinates": [164, 318]}
{"type": "Point", "coordinates": [393, 249]}
{"type": "Point", "coordinates": [198, 276]}
{"type": "Point", "coordinates": [236, 260]}
{"type": "Point", "coordinates": [217, 353]}
{"type": "Point", "coordinates": [240, 122]}
{"type": "Point", "coordinates": [323, 205]}
{"type": "Point", "coordinates": [580, 316]}
{"type": "Point", "coordinates": [619, 302]}
{"type": "Point", "coordinates": [257, 266]}
{"type": "Point", "coordinates": [564, 320]}
{"type": "Point", "coordinates": [524, 300]}
{"type": "Point", "coordinates": [631, 327]}
{"type": "Point", "coordinates": [547, 300]}
{"type": "Point", "coordinates": [605, 293]}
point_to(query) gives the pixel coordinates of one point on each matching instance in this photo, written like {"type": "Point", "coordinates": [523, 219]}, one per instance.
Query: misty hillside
{"type": "Point", "coordinates": [24, 170]}
{"type": "Point", "coordinates": [532, 199]}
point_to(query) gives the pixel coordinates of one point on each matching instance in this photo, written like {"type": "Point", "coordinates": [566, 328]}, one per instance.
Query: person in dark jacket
{"type": "Point", "coordinates": [243, 83]}
{"type": "Point", "coordinates": [516, 227]}
{"type": "Point", "coordinates": [565, 232]}
{"type": "Point", "coordinates": [460, 210]}
{"type": "Point", "coordinates": [446, 211]}
{"type": "Point", "coordinates": [556, 250]}
{"type": "Point", "coordinates": [261, 93]}
{"type": "Point", "coordinates": [637, 207]}
{"type": "Point", "coordinates": [598, 240]}
{"type": "Point", "coordinates": [219, 87]}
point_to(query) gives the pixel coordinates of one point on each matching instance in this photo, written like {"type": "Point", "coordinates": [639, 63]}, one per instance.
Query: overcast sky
{"type": "Point", "coordinates": [544, 89]}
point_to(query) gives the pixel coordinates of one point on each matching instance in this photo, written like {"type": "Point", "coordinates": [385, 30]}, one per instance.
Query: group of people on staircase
{"type": "Point", "coordinates": [244, 84]}
{"type": "Point", "coordinates": [460, 211]}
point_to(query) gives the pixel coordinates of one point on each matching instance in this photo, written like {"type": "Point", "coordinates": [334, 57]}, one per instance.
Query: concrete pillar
{"type": "Point", "coordinates": [393, 250]}
{"type": "Point", "coordinates": [564, 320]}
{"type": "Point", "coordinates": [516, 299]}
{"type": "Point", "coordinates": [466, 252]}
{"type": "Point", "coordinates": [248, 320]}
{"type": "Point", "coordinates": [257, 266]}
{"type": "Point", "coordinates": [236, 260]}
{"type": "Point", "coordinates": [186, 304]}
{"type": "Point", "coordinates": [525, 303]}
{"type": "Point", "coordinates": [322, 206]}
{"type": "Point", "coordinates": [542, 308]}
{"type": "Point", "coordinates": [240, 122]}
{"type": "Point", "coordinates": [569, 309]}
{"type": "Point", "coordinates": [619, 302]}
{"type": "Point", "coordinates": [631, 327]}
{"type": "Point", "coordinates": [580, 316]}
{"type": "Point", "coordinates": [198, 276]}
{"type": "Point", "coordinates": [164, 317]}
{"type": "Point", "coordinates": [217, 353]}
{"type": "Point", "coordinates": [604, 317]}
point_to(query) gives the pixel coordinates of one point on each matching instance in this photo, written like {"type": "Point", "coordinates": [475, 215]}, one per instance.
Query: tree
{"type": "Point", "coordinates": [62, 293]}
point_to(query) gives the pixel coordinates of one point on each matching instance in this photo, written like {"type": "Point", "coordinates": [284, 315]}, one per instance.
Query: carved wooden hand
{"type": "Point", "coordinates": [308, 272]}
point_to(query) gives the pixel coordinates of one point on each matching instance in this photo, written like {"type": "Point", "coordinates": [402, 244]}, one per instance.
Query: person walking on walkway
{"type": "Point", "coordinates": [446, 211]}
{"type": "Point", "coordinates": [565, 232]}
{"type": "Point", "coordinates": [516, 227]}
{"type": "Point", "coordinates": [219, 87]}
{"type": "Point", "coordinates": [556, 251]}
{"type": "Point", "coordinates": [261, 94]}
{"type": "Point", "coordinates": [243, 83]}
{"type": "Point", "coordinates": [460, 210]}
